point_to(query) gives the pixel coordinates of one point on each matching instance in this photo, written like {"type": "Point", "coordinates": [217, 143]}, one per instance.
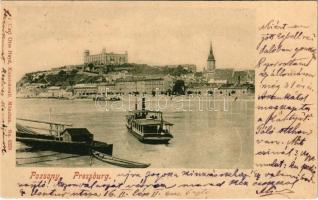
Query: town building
{"type": "Point", "coordinates": [222, 76]}
{"type": "Point", "coordinates": [235, 89]}
{"type": "Point", "coordinates": [189, 67]}
{"type": "Point", "coordinates": [106, 88]}
{"type": "Point", "coordinates": [244, 76]}
{"type": "Point", "coordinates": [85, 90]}
{"type": "Point", "coordinates": [201, 89]}
{"type": "Point", "coordinates": [55, 92]}
{"type": "Point", "coordinates": [105, 58]}
{"type": "Point", "coordinates": [144, 85]}
{"type": "Point", "coordinates": [30, 90]}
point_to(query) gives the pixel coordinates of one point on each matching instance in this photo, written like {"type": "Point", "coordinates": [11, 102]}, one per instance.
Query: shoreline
{"type": "Point", "coordinates": [127, 97]}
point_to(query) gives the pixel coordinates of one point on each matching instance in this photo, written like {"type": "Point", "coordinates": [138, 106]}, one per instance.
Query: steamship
{"type": "Point", "coordinates": [148, 126]}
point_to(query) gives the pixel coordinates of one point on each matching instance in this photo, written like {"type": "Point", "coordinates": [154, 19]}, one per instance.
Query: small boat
{"type": "Point", "coordinates": [69, 140]}
{"type": "Point", "coordinates": [102, 98]}
{"type": "Point", "coordinates": [148, 126]}
{"type": "Point", "coordinates": [118, 161]}
{"type": "Point", "coordinates": [114, 99]}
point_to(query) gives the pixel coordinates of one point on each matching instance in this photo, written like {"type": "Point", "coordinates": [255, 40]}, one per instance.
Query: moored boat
{"type": "Point", "coordinates": [77, 141]}
{"type": "Point", "coordinates": [103, 98]}
{"type": "Point", "coordinates": [148, 126]}
{"type": "Point", "coordinates": [69, 140]}
{"type": "Point", "coordinates": [118, 161]}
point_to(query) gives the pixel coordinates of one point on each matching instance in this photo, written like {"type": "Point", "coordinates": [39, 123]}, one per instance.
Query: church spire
{"type": "Point", "coordinates": [211, 56]}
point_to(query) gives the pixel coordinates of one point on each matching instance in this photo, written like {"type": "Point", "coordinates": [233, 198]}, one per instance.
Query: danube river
{"type": "Point", "coordinates": [208, 133]}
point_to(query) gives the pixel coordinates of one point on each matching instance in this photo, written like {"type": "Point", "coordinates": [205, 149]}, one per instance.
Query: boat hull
{"type": "Point", "coordinates": [46, 142]}
{"type": "Point", "coordinates": [38, 136]}
{"type": "Point", "coordinates": [80, 148]}
{"type": "Point", "coordinates": [118, 161]}
{"type": "Point", "coordinates": [151, 138]}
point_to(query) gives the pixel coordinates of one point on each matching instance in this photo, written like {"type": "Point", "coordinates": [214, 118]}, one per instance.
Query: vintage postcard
{"type": "Point", "coordinates": [172, 100]}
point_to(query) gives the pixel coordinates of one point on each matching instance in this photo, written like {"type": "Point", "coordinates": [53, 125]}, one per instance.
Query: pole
{"type": "Point", "coordinates": [51, 127]}
{"type": "Point", "coordinates": [50, 110]}
{"type": "Point", "coordinates": [136, 106]}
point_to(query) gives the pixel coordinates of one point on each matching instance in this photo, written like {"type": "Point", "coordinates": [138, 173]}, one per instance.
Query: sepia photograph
{"type": "Point", "coordinates": [153, 99]}
{"type": "Point", "coordinates": [147, 86]}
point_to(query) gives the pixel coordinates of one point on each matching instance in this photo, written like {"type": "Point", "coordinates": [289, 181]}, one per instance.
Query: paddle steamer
{"type": "Point", "coordinates": [148, 126]}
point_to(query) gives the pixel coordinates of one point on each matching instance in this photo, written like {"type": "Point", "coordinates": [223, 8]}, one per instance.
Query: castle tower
{"type": "Point", "coordinates": [211, 60]}
{"type": "Point", "coordinates": [85, 56]}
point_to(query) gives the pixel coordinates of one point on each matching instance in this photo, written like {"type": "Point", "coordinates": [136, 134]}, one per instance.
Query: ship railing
{"type": "Point", "coordinates": [54, 127]}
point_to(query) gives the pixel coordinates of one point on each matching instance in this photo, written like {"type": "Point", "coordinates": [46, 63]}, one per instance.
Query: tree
{"type": "Point", "coordinates": [62, 73]}
{"type": "Point", "coordinates": [179, 87]}
{"type": "Point", "coordinates": [73, 72]}
{"type": "Point", "coordinates": [61, 78]}
{"type": "Point", "coordinates": [91, 66]}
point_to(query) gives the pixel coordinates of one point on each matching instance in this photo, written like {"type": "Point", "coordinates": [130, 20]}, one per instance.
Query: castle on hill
{"type": "Point", "coordinates": [105, 58]}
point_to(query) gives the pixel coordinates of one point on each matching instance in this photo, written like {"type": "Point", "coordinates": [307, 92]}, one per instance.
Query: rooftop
{"type": "Point", "coordinates": [82, 85]}
{"type": "Point", "coordinates": [139, 79]}
{"type": "Point", "coordinates": [144, 122]}
{"type": "Point", "coordinates": [142, 111]}
{"type": "Point", "coordinates": [53, 88]}
{"type": "Point", "coordinates": [77, 131]}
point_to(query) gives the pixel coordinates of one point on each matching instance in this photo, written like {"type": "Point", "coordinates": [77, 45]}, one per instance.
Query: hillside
{"type": "Point", "coordinates": [95, 74]}
{"type": "Point", "coordinates": [62, 78]}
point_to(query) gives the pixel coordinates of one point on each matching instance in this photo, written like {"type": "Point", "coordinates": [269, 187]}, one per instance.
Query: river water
{"type": "Point", "coordinates": [207, 133]}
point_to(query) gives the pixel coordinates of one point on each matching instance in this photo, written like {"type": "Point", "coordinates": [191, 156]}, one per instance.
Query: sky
{"type": "Point", "coordinates": [155, 33]}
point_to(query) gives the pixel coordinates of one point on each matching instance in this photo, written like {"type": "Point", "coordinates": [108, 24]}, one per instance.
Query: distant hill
{"type": "Point", "coordinates": [64, 76]}
{"type": "Point", "coordinates": [138, 69]}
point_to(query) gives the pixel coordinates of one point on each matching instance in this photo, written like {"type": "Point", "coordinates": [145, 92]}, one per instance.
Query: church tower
{"type": "Point", "coordinates": [211, 60]}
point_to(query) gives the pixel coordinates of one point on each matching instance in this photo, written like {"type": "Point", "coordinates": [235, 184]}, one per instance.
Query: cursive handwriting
{"type": "Point", "coordinates": [285, 100]}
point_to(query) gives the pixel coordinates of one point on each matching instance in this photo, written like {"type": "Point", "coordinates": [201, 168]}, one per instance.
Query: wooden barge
{"type": "Point", "coordinates": [65, 140]}
{"type": "Point", "coordinates": [77, 141]}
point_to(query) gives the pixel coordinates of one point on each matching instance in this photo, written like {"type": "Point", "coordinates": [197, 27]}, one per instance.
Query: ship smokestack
{"type": "Point", "coordinates": [143, 103]}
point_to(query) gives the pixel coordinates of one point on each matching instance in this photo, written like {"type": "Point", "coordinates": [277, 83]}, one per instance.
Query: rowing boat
{"type": "Point", "coordinates": [118, 161]}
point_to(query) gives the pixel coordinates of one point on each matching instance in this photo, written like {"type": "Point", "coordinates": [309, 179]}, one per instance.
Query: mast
{"type": "Point", "coordinates": [136, 106]}
{"type": "Point", "coordinates": [161, 124]}
{"type": "Point", "coordinates": [50, 110]}
{"type": "Point", "coordinates": [51, 127]}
